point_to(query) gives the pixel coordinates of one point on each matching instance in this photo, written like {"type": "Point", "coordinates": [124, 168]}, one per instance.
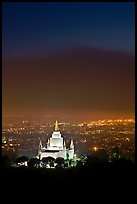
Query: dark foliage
{"type": "Point", "coordinates": [94, 176]}
{"type": "Point", "coordinates": [21, 159]}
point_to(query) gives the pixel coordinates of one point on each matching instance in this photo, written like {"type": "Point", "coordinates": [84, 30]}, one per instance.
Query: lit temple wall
{"type": "Point", "coordinates": [56, 142]}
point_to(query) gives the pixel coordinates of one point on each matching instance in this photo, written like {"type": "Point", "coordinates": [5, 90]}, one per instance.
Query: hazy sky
{"type": "Point", "coordinates": [68, 59]}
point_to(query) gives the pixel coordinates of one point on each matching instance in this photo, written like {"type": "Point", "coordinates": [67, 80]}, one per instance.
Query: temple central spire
{"type": "Point", "coordinates": [56, 126]}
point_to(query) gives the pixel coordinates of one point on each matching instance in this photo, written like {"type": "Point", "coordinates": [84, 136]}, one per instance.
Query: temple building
{"type": "Point", "coordinates": [56, 146]}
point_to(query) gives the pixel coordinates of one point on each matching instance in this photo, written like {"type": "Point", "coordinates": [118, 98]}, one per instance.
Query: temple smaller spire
{"type": "Point", "coordinates": [40, 143]}
{"type": "Point", "coordinates": [71, 144]}
{"type": "Point", "coordinates": [64, 143]}
{"type": "Point", "coordinates": [48, 141]}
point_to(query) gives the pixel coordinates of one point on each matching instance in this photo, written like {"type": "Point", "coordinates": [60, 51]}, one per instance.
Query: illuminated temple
{"type": "Point", "coordinates": [56, 146]}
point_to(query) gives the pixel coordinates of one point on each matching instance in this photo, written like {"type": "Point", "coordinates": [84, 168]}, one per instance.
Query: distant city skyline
{"type": "Point", "coordinates": [71, 60]}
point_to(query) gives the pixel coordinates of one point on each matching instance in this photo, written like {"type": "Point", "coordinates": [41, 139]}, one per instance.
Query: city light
{"type": "Point", "coordinates": [95, 149]}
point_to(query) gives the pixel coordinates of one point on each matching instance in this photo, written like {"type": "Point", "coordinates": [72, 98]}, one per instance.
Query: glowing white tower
{"type": "Point", "coordinates": [56, 146]}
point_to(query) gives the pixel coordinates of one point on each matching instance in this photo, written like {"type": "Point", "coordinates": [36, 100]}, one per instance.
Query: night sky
{"type": "Point", "coordinates": [71, 60]}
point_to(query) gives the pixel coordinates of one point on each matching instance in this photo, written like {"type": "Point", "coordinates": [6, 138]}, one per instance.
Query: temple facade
{"type": "Point", "coordinates": [56, 146]}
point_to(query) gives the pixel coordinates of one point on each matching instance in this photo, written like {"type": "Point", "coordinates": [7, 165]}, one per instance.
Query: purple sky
{"type": "Point", "coordinates": [68, 59]}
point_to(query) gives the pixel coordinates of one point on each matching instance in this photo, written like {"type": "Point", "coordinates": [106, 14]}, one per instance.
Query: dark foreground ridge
{"type": "Point", "coordinates": [94, 173]}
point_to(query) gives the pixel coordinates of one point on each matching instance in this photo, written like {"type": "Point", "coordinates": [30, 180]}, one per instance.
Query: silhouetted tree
{"type": "Point", "coordinates": [79, 163]}
{"type": "Point", "coordinates": [51, 161]}
{"type": "Point", "coordinates": [60, 161]}
{"type": "Point", "coordinates": [115, 154]}
{"type": "Point", "coordinates": [115, 150]}
{"type": "Point", "coordinates": [33, 162]}
{"type": "Point", "coordinates": [21, 159]}
{"type": "Point", "coordinates": [48, 160]}
{"type": "Point", "coordinates": [66, 163]}
{"type": "Point", "coordinates": [44, 161]}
